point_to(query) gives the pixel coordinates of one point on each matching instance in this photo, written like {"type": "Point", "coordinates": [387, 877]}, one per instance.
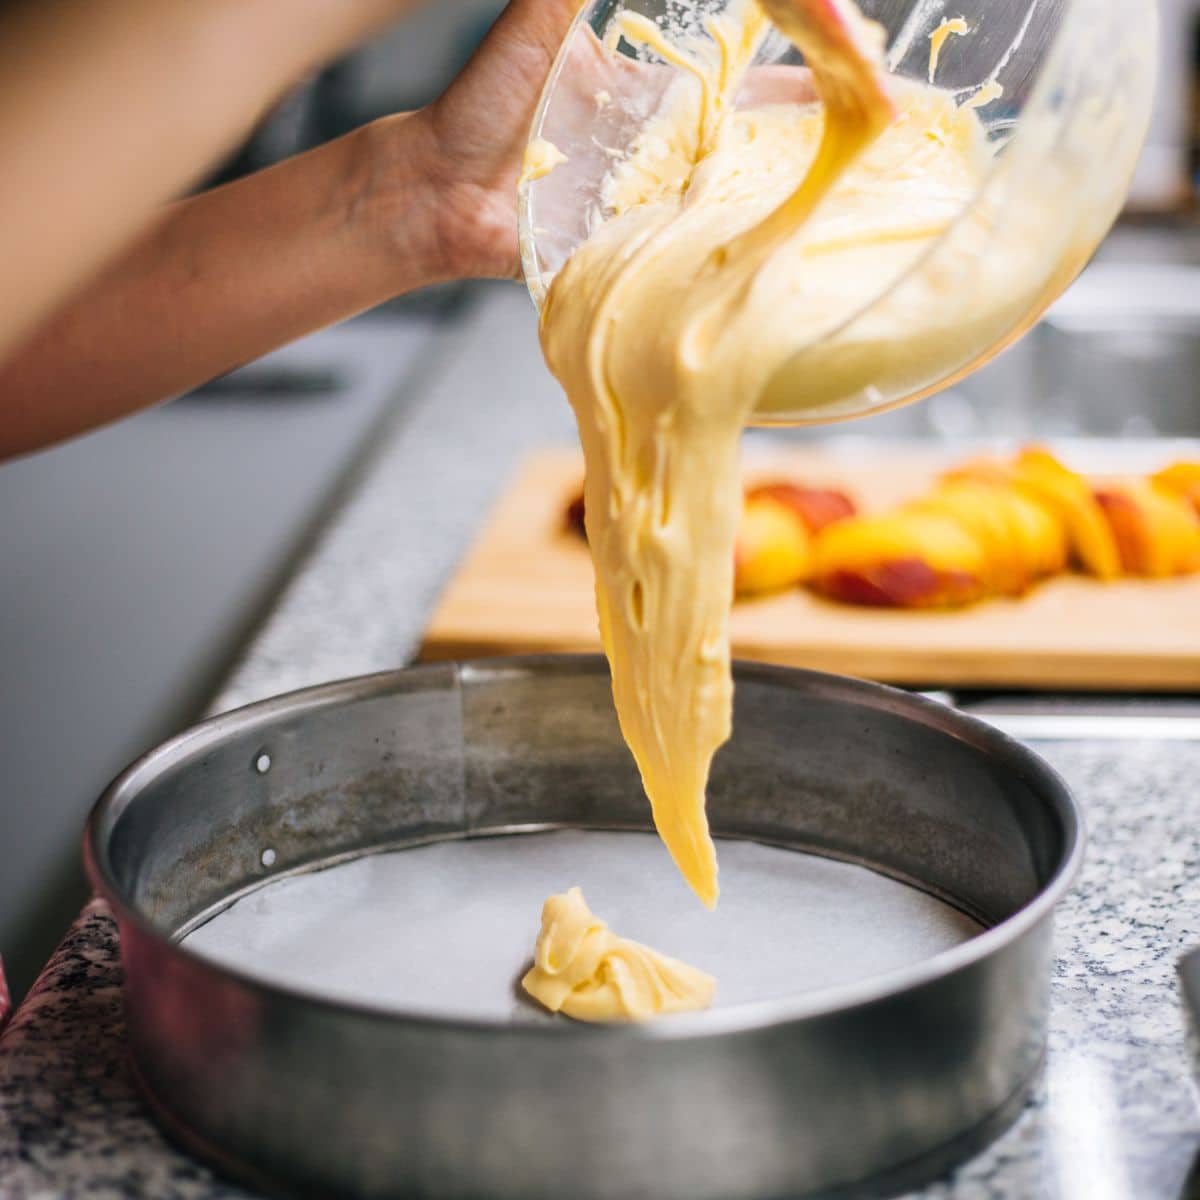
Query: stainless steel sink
{"type": "Point", "coordinates": [1120, 354]}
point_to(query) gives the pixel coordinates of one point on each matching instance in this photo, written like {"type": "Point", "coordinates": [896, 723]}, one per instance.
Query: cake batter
{"type": "Point", "coordinates": [582, 969]}
{"type": "Point", "coordinates": [735, 244]}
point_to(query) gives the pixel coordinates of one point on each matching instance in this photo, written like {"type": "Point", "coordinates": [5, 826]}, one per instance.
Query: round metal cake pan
{"type": "Point", "coordinates": [866, 1086]}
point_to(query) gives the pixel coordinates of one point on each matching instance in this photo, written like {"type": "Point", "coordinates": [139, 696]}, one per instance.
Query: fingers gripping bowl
{"type": "Point", "coordinates": [896, 814]}
{"type": "Point", "coordinates": [1063, 89]}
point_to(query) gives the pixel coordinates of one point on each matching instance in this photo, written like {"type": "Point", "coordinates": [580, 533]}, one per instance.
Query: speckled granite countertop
{"type": "Point", "coordinates": [1115, 1114]}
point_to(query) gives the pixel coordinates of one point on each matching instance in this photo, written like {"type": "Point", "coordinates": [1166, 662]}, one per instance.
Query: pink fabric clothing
{"type": "Point", "coordinates": [5, 1003]}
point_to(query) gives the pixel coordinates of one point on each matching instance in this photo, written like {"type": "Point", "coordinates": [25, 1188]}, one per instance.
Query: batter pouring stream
{"type": "Point", "coordinates": [732, 236]}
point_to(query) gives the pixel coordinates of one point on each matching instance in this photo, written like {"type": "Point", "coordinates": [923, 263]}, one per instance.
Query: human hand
{"type": "Point", "coordinates": [472, 139]}
{"type": "Point", "coordinates": [467, 147]}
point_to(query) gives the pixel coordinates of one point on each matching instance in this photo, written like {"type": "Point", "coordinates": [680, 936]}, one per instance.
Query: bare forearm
{"type": "Point", "coordinates": [226, 276]}
{"type": "Point", "coordinates": [108, 110]}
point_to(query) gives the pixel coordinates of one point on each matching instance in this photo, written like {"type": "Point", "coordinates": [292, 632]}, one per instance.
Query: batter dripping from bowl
{"type": "Point", "coordinates": [731, 237]}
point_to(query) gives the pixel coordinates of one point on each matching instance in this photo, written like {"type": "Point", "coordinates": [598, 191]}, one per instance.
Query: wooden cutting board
{"type": "Point", "coordinates": [526, 587]}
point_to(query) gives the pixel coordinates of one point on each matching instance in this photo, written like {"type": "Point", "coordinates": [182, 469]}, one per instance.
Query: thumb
{"type": "Point", "coordinates": [526, 35]}
{"type": "Point", "coordinates": [538, 26]}
{"type": "Point", "coordinates": [493, 98]}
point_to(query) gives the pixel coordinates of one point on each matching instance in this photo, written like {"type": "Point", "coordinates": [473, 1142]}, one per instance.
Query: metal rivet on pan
{"type": "Point", "coordinates": [262, 764]}
{"type": "Point", "coordinates": [267, 858]}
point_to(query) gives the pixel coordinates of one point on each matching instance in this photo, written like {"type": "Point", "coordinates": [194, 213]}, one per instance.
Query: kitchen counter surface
{"type": "Point", "coordinates": [1114, 1115]}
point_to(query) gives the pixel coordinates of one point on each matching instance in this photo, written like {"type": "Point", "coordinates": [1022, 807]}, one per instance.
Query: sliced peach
{"type": "Point", "coordinates": [1041, 475]}
{"type": "Point", "coordinates": [907, 559]}
{"type": "Point", "coordinates": [1182, 478]}
{"type": "Point", "coordinates": [816, 507]}
{"type": "Point", "coordinates": [980, 470]}
{"type": "Point", "coordinates": [1178, 518]}
{"type": "Point", "coordinates": [980, 510]}
{"type": "Point", "coordinates": [1157, 531]}
{"type": "Point", "coordinates": [773, 548]}
{"type": "Point", "coordinates": [1043, 536]}
{"type": "Point", "coordinates": [1022, 539]}
{"type": "Point", "coordinates": [1037, 510]}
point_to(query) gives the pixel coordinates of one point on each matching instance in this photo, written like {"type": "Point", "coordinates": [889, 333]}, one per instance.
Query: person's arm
{"type": "Point", "coordinates": [223, 277]}
{"type": "Point", "coordinates": [108, 110]}
{"type": "Point", "coordinates": [226, 276]}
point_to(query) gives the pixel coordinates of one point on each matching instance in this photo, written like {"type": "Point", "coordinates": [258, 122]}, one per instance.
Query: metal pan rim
{"type": "Point", "coordinates": [736, 1019]}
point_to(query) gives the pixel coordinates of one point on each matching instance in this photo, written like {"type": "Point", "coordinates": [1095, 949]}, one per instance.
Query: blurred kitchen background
{"type": "Point", "coordinates": [135, 562]}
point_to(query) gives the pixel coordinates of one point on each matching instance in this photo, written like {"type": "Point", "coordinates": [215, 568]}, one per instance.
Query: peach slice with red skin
{"type": "Point", "coordinates": [773, 551]}
{"type": "Point", "coordinates": [1068, 496]}
{"type": "Point", "coordinates": [905, 559]}
{"type": "Point", "coordinates": [816, 507]}
{"type": "Point", "coordinates": [989, 528]}
{"type": "Point", "coordinates": [901, 583]}
{"type": "Point", "coordinates": [979, 510]}
{"type": "Point", "coordinates": [1095, 547]}
{"type": "Point", "coordinates": [1022, 539]}
{"type": "Point", "coordinates": [778, 521]}
{"type": "Point", "coordinates": [1157, 531]}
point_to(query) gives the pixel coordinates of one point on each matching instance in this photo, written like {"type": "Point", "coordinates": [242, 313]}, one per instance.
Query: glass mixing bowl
{"type": "Point", "coordinates": [1078, 82]}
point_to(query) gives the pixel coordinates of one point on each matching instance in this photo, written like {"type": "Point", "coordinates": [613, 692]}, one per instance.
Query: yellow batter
{"type": "Point", "coordinates": [541, 157]}
{"type": "Point", "coordinates": [582, 969]}
{"type": "Point", "coordinates": [950, 27]}
{"type": "Point", "coordinates": [733, 238]}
